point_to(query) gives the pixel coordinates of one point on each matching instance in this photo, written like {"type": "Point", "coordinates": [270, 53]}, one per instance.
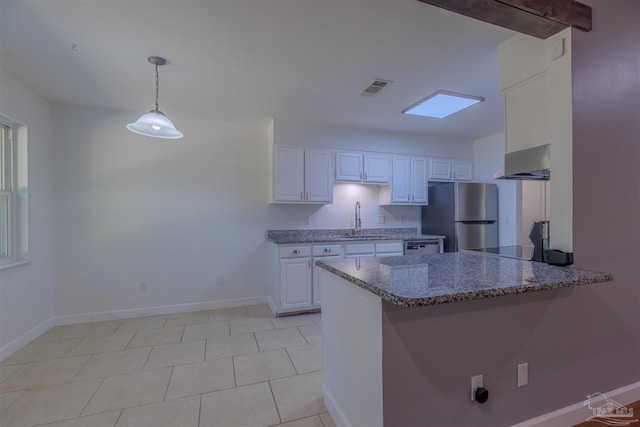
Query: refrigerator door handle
{"type": "Point", "coordinates": [478, 222]}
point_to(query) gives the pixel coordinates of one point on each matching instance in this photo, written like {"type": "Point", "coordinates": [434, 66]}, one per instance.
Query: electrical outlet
{"type": "Point", "coordinates": [220, 281]}
{"type": "Point", "coordinates": [380, 219]}
{"type": "Point", "coordinates": [523, 374]}
{"type": "Point", "coordinates": [476, 382]}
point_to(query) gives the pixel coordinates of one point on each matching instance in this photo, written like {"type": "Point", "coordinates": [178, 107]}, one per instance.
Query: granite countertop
{"type": "Point", "coordinates": [419, 280]}
{"type": "Point", "coordinates": [345, 235]}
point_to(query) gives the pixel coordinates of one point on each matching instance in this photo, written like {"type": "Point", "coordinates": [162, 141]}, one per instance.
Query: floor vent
{"type": "Point", "coordinates": [375, 87]}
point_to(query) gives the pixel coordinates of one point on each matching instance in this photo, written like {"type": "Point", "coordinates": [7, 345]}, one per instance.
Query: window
{"type": "Point", "coordinates": [7, 250]}
{"type": "Point", "coordinates": [13, 194]}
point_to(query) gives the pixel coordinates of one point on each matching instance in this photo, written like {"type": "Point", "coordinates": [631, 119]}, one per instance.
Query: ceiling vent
{"type": "Point", "coordinates": [375, 87]}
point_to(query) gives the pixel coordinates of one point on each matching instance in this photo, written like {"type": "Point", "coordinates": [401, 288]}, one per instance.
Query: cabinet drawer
{"type": "Point", "coordinates": [327, 250]}
{"type": "Point", "coordinates": [360, 248]}
{"type": "Point", "coordinates": [391, 247]}
{"type": "Point", "coordinates": [295, 251]}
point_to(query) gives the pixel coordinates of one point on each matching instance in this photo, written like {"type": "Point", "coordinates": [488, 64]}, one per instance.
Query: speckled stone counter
{"type": "Point", "coordinates": [413, 281]}
{"type": "Point", "coordinates": [345, 235]}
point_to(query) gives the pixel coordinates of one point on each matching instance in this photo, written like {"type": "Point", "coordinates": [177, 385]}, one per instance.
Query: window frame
{"type": "Point", "coordinates": [7, 190]}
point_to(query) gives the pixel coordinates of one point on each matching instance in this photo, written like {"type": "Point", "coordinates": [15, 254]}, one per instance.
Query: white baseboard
{"type": "Point", "coordinates": [272, 305]}
{"type": "Point", "coordinates": [158, 310]}
{"type": "Point", "coordinates": [339, 418]}
{"type": "Point", "coordinates": [24, 339]}
{"type": "Point", "coordinates": [577, 413]}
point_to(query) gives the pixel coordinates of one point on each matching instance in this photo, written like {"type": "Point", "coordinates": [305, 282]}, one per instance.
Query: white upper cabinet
{"type": "Point", "coordinates": [289, 174]}
{"type": "Point", "coordinates": [462, 170]}
{"type": "Point", "coordinates": [317, 176]}
{"type": "Point", "coordinates": [448, 169]}
{"type": "Point", "coordinates": [302, 175]}
{"type": "Point", "coordinates": [349, 167]}
{"type": "Point", "coordinates": [376, 168]}
{"type": "Point", "coordinates": [419, 180]}
{"type": "Point", "coordinates": [367, 168]}
{"type": "Point", "coordinates": [440, 169]}
{"type": "Point", "coordinates": [408, 182]}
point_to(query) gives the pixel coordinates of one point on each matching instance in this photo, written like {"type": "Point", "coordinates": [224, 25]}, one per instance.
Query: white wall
{"type": "Point", "coordinates": [488, 157]}
{"type": "Point", "coordinates": [176, 215]}
{"type": "Point", "coordinates": [26, 293]}
{"type": "Point", "coordinates": [319, 135]}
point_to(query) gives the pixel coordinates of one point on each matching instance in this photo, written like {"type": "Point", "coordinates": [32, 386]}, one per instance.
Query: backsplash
{"type": "Point", "coordinates": [332, 233]}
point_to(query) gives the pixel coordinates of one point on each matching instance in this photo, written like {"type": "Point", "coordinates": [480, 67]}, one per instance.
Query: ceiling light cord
{"type": "Point", "coordinates": [157, 110]}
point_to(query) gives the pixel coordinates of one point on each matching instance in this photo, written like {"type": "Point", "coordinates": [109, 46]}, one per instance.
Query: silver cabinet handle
{"type": "Point", "coordinates": [306, 195]}
{"type": "Point", "coordinates": [365, 176]}
{"type": "Point", "coordinates": [296, 251]}
{"type": "Point", "coordinates": [301, 196]}
{"type": "Point", "coordinates": [360, 175]}
{"type": "Point", "coordinates": [327, 250]}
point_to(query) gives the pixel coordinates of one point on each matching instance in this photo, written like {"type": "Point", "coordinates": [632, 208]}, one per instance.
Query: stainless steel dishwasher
{"type": "Point", "coordinates": [422, 247]}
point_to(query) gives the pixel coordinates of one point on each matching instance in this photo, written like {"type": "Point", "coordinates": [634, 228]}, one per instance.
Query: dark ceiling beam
{"type": "Point", "coordinates": [538, 18]}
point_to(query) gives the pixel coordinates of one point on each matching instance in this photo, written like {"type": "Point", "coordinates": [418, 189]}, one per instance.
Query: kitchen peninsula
{"type": "Point", "coordinates": [393, 346]}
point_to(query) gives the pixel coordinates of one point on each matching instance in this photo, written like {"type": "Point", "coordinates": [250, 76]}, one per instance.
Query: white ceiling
{"type": "Point", "coordinates": [302, 60]}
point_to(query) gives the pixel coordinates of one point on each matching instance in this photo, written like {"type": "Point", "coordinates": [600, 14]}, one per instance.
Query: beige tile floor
{"type": "Point", "coordinates": [231, 367]}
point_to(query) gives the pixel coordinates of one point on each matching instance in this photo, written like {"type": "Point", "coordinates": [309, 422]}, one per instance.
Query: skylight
{"type": "Point", "coordinates": [441, 104]}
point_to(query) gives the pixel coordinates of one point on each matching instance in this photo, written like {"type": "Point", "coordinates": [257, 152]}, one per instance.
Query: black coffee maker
{"type": "Point", "coordinates": [540, 237]}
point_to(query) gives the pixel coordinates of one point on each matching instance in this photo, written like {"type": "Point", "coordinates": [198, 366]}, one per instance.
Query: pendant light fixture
{"type": "Point", "coordinates": [154, 123]}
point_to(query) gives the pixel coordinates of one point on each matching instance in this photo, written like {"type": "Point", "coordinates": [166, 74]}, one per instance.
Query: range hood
{"type": "Point", "coordinates": [530, 164]}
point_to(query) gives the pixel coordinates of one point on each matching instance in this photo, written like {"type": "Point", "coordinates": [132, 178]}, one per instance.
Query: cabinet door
{"type": "Point", "coordinates": [317, 284]}
{"type": "Point", "coordinates": [349, 167]}
{"type": "Point", "coordinates": [289, 174]}
{"type": "Point", "coordinates": [400, 179]}
{"type": "Point", "coordinates": [376, 168]}
{"type": "Point", "coordinates": [295, 283]}
{"type": "Point", "coordinates": [318, 179]}
{"type": "Point", "coordinates": [462, 170]}
{"type": "Point", "coordinates": [526, 122]}
{"type": "Point", "coordinates": [440, 169]}
{"type": "Point", "coordinates": [419, 180]}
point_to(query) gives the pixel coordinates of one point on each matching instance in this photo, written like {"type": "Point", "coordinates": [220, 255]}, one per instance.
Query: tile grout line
{"type": "Point", "coordinates": [166, 390]}
{"type": "Point", "coordinates": [291, 360]}
{"type": "Point", "coordinates": [274, 401]}
{"type": "Point", "coordinates": [120, 414]}
{"type": "Point", "coordinates": [91, 398]}
{"type": "Point", "coordinates": [233, 365]}
{"type": "Point", "coordinates": [83, 366]}
{"type": "Point", "coordinates": [22, 392]}
{"type": "Point", "coordinates": [200, 410]}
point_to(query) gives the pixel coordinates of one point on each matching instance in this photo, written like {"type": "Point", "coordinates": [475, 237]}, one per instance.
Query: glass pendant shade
{"type": "Point", "coordinates": [156, 125]}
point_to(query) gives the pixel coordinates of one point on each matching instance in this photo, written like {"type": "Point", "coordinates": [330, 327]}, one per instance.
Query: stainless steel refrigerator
{"type": "Point", "coordinates": [465, 213]}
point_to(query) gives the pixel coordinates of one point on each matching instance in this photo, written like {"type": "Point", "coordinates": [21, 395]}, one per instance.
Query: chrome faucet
{"type": "Point", "coordinates": [358, 224]}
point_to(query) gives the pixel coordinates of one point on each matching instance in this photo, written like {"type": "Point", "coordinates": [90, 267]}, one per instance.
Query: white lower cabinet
{"type": "Point", "coordinates": [295, 277]}
{"type": "Point", "coordinates": [295, 280]}
{"type": "Point", "coordinates": [295, 283]}
{"type": "Point", "coordinates": [321, 253]}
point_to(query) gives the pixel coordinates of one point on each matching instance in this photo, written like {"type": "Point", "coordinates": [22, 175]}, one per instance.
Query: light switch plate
{"type": "Point", "coordinates": [557, 49]}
